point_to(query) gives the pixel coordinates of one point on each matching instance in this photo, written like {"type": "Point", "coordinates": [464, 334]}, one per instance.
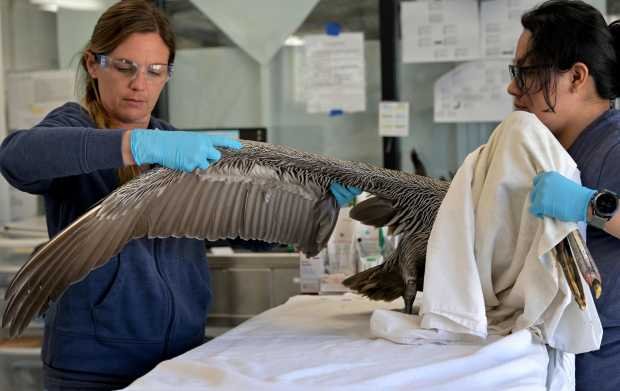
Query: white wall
{"type": "Point", "coordinates": [74, 31]}
{"type": "Point", "coordinates": [28, 43]}
{"type": "Point", "coordinates": [215, 87]}
{"type": "Point", "coordinates": [30, 40]}
{"type": "Point", "coordinates": [435, 143]}
{"type": "Point", "coordinates": [350, 136]}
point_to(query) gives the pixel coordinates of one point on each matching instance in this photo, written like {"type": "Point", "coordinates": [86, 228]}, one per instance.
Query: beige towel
{"type": "Point", "coordinates": [488, 266]}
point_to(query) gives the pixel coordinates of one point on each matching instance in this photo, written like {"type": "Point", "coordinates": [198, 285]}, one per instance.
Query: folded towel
{"type": "Point", "coordinates": [403, 328]}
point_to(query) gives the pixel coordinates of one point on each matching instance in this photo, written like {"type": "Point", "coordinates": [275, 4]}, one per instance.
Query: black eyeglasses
{"type": "Point", "coordinates": [520, 73]}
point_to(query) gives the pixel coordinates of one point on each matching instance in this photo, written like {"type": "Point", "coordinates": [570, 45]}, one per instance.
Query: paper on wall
{"type": "Point", "coordinates": [394, 119]}
{"type": "Point", "coordinates": [336, 72]}
{"type": "Point", "coordinates": [500, 22]}
{"type": "Point", "coordinates": [440, 30]}
{"type": "Point", "coordinates": [473, 92]}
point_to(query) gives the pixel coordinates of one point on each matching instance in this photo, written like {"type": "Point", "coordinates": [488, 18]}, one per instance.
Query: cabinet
{"type": "Point", "coordinates": [20, 362]}
{"type": "Point", "coordinates": [246, 284]}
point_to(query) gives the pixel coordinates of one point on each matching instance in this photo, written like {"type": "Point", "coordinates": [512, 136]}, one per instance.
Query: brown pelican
{"type": "Point", "coordinates": [262, 191]}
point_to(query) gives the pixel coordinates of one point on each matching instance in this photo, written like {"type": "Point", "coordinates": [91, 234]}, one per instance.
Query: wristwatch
{"type": "Point", "coordinates": [604, 204]}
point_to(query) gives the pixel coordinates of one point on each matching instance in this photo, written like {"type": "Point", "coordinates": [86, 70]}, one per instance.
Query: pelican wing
{"type": "Point", "coordinates": [165, 203]}
{"type": "Point", "coordinates": [266, 192]}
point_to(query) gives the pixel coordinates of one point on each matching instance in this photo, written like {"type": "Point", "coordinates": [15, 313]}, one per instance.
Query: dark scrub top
{"type": "Point", "coordinates": [597, 153]}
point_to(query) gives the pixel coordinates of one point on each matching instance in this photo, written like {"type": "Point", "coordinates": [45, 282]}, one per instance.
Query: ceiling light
{"type": "Point", "coordinates": [78, 5]}
{"type": "Point", "coordinates": [294, 40]}
{"type": "Point", "coordinates": [49, 7]}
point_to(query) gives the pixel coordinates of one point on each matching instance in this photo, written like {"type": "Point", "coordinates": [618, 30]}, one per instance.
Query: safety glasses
{"type": "Point", "coordinates": [155, 73]}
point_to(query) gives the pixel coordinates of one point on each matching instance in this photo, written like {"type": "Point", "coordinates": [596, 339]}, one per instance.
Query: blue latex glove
{"type": "Point", "coordinates": [343, 194]}
{"type": "Point", "coordinates": [178, 150]}
{"type": "Point", "coordinates": [556, 196]}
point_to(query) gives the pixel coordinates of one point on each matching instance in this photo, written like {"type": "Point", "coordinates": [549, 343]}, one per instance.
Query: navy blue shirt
{"type": "Point", "coordinates": [147, 304]}
{"type": "Point", "coordinates": [597, 153]}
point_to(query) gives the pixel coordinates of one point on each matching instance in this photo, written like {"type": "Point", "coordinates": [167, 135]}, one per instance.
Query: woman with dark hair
{"type": "Point", "coordinates": [149, 303]}
{"type": "Point", "coordinates": [566, 71]}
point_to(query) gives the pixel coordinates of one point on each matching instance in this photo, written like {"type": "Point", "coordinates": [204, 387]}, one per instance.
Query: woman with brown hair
{"type": "Point", "coordinates": [149, 303]}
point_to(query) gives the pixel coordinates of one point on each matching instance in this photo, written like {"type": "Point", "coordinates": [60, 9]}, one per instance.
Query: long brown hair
{"type": "Point", "coordinates": [115, 25]}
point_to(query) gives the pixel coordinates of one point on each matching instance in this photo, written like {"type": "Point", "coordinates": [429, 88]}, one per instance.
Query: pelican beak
{"type": "Point", "coordinates": [585, 262]}
{"type": "Point", "coordinates": [574, 257]}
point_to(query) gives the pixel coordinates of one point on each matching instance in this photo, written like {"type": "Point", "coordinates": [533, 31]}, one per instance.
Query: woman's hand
{"type": "Point", "coordinates": [556, 196]}
{"type": "Point", "coordinates": [178, 150]}
{"type": "Point", "coordinates": [343, 194]}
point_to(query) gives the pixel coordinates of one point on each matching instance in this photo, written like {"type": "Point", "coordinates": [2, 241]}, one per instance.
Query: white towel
{"type": "Point", "coordinates": [488, 267]}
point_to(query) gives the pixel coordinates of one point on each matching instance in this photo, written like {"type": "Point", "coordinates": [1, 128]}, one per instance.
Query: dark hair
{"type": "Point", "coordinates": [565, 32]}
{"type": "Point", "coordinates": [115, 25]}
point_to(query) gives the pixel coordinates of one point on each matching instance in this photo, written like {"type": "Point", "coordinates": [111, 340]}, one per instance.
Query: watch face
{"type": "Point", "coordinates": [606, 204]}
